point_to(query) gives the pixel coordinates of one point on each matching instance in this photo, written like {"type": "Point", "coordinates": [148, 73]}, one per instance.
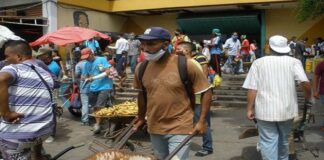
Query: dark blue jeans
{"type": "Point", "coordinates": [207, 137]}
{"type": "Point", "coordinates": [118, 56]}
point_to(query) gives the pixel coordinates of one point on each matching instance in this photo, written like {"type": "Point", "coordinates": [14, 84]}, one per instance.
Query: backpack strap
{"type": "Point", "coordinates": [141, 71]}
{"type": "Point", "coordinates": [42, 79]}
{"type": "Point", "coordinates": [182, 67]}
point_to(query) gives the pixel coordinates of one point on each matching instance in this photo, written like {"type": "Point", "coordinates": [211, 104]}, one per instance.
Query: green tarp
{"type": "Point", "coordinates": [203, 24]}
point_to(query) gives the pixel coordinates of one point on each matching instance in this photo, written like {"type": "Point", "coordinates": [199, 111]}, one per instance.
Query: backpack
{"type": "Point", "coordinates": [182, 68]}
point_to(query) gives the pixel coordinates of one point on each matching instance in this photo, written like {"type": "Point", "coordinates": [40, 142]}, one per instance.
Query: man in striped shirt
{"type": "Point", "coordinates": [272, 97]}
{"type": "Point", "coordinates": [26, 107]}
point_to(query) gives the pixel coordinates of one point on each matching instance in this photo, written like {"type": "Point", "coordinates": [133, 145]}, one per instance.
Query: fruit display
{"type": "Point", "coordinates": [124, 109]}
{"type": "Point", "coordinates": [116, 155]}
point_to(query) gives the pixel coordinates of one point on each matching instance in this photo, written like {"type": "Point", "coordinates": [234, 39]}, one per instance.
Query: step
{"type": "Point", "coordinates": [216, 97]}
{"type": "Point", "coordinates": [126, 94]}
{"type": "Point", "coordinates": [238, 92]}
{"type": "Point", "coordinates": [131, 92]}
{"type": "Point", "coordinates": [223, 90]}
{"type": "Point", "coordinates": [227, 78]}
{"type": "Point", "coordinates": [238, 98]}
{"type": "Point", "coordinates": [215, 92]}
{"type": "Point", "coordinates": [214, 103]}
{"type": "Point", "coordinates": [126, 81]}
{"type": "Point", "coordinates": [238, 79]}
{"type": "Point", "coordinates": [229, 103]}
{"type": "Point", "coordinates": [223, 86]}
{"type": "Point", "coordinates": [239, 83]}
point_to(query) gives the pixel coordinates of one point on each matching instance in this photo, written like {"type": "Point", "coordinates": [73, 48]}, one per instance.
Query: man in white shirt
{"type": "Point", "coordinates": [121, 45]}
{"type": "Point", "coordinates": [232, 48]}
{"type": "Point", "coordinates": [272, 97]}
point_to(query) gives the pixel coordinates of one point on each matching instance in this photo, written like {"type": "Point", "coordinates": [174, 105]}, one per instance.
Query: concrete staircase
{"type": "Point", "coordinates": [229, 94]}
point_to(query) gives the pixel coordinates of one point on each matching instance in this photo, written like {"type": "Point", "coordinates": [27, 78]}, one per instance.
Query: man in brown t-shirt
{"type": "Point", "coordinates": [168, 109]}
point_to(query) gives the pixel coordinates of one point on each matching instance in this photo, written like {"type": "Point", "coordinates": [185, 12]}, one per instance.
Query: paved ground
{"type": "Point", "coordinates": [227, 124]}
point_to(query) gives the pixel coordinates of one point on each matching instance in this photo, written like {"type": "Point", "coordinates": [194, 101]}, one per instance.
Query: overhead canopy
{"type": "Point", "coordinates": [228, 23]}
{"type": "Point", "coordinates": [69, 35]}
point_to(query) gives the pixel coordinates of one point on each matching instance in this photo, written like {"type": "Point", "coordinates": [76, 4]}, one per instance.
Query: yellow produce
{"type": "Point", "coordinates": [116, 155]}
{"type": "Point", "coordinates": [124, 109]}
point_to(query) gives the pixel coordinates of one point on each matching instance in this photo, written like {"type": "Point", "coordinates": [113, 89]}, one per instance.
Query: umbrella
{"type": "Point", "coordinates": [6, 34]}
{"type": "Point", "coordinates": [69, 35]}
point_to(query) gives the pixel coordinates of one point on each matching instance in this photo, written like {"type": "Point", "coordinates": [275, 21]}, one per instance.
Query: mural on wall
{"type": "Point", "coordinates": [81, 19]}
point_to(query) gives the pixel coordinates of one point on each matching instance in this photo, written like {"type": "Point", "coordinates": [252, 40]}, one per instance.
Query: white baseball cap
{"type": "Point", "coordinates": [279, 44]}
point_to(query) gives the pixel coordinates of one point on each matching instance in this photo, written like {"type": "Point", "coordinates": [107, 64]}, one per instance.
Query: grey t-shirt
{"type": "Point", "coordinates": [134, 47]}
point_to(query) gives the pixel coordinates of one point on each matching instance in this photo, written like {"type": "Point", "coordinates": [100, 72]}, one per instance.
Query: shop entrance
{"type": "Point", "coordinates": [199, 26]}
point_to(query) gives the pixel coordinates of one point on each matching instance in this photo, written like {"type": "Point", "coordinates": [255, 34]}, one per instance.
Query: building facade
{"type": "Point", "coordinates": [259, 19]}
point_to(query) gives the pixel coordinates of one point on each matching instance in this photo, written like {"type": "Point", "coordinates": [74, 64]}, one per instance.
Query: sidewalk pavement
{"type": "Point", "coordinates": [227, 124]}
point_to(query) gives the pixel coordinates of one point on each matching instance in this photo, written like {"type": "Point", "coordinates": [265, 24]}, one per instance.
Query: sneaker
{"type": "Point", "coordinates": [50, 139]}
{"type": "Point", "coordinates": [96, 129]}
{"type": "Point", "coordinates": [85, 124]}
{"type": "Point", "coordinates": [203, 153]}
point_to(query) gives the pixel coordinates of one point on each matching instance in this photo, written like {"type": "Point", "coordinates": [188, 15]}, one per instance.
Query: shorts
{"type": "Point", "coordinates": [99, 99]}
{"type": "Point", "coordinates": [21, 149]}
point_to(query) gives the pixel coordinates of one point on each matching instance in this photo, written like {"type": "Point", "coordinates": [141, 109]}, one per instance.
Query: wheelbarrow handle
{"type": "Point", "coordinates": [177, 149]}
{"type": "Point", "coordinates": [126, 135]}
{"type": "Point", "coordinates": [123, 133]}
{"type": "Point", "coordinates": [66, 150]}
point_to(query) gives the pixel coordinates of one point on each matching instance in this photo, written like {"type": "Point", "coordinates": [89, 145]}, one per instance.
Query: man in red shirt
{"type": "Point", "coordinates": [318, 84]}
{"type": "Point", "coordinates": [245, 48]}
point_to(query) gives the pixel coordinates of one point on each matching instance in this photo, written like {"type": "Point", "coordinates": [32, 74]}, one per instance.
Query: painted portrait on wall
{"type": "Point", "coordinates": [81, 19]}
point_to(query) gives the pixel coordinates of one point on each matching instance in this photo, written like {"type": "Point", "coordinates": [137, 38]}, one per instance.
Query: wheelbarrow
{"type": "Point", "coordinates": [118, 153]}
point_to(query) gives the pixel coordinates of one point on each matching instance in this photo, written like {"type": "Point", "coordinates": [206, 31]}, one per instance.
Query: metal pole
{"type": "Point", "coordinates": [72, 63]}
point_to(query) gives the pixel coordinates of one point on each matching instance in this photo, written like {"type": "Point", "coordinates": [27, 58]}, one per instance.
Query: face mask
{"type": "Point", "coordinates": [155, 56]}
{"type": "Point", "coordinates": [234, 38]}
{"type": "Point", "coordinates": [131, 37]}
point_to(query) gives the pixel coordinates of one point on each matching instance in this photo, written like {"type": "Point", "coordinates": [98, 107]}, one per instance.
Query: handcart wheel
{"type": "Point", "coordinates": [75, 111]}
{"type": "Point", "coordinates": [129, 146]}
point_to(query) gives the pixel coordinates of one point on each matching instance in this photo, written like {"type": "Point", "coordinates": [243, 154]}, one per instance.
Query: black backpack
{"type": "Point", "coordinates": [182, 68]}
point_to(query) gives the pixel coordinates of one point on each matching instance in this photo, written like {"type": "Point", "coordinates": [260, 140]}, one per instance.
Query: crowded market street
{"type": "Point", "coordinates": [162, 80]}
